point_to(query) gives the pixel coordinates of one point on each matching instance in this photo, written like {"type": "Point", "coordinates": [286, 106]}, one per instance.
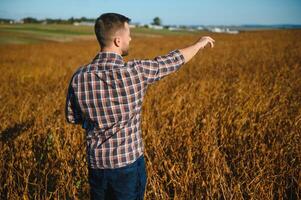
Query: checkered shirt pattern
{"type": "Point", "coordinates": [105, 97]}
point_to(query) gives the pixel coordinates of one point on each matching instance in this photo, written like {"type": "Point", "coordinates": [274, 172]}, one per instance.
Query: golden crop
{"type": "Point", "coordinates": [227, 125]}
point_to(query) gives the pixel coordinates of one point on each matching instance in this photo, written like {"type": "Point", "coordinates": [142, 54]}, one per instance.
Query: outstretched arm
{"type": "Point", "coordinates": [191, 50]}
{"type": "Point", "coordinates": [159, 67]}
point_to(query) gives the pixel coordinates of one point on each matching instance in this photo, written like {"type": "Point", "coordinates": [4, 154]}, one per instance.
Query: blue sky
{"type": "Point", "coordinates": [189, 12]}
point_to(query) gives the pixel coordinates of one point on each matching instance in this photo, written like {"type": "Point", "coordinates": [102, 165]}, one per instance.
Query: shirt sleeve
{"type": "Point", "coordinates": [161, 66]}
{"type": "Point", "coordinates": [72, 110]}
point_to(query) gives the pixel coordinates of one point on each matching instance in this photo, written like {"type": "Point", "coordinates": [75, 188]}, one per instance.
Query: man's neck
{"type": "Point", "coordinates": [114, 50]}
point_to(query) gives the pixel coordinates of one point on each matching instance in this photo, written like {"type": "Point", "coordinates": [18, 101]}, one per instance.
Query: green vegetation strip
{"type": "Point", "coordinates": [34, 33]}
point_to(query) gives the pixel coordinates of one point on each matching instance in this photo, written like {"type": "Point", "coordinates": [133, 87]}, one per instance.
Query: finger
{"type": "Point", "coordinates": [205, 37]}
{"type": "Point", "coordinates": [208, 37]}
{"type": "Point", "coordinates": [211, 39]}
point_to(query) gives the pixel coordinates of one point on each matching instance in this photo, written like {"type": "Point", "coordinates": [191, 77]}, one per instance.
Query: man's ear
{"type": "Point", "coordinates": [117, 41]}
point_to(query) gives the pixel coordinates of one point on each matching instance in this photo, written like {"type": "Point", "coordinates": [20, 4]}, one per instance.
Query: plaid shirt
{"type": "Point", "coordinates": [106, 96]}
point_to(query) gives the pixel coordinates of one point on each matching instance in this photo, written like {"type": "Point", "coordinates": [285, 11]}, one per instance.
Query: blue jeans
{"type": "Point", "coordinates": [126, 183]}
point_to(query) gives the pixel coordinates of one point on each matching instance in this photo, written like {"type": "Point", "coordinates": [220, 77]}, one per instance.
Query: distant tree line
{"type": "Point", "coordinates": [4, 21]}
{"type": "Point", "coordinates": [33, 20]}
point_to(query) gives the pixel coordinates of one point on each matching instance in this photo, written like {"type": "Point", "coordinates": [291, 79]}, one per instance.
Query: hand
{"type": "Point", "coordinates": [205, 40]}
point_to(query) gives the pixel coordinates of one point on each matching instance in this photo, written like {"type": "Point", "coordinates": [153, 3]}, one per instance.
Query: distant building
{"type": "Point", "coordinates": [199, 28]}
{"type": "Point", "coordinates": [232, 31]}
{"type": "Point", "coordinates": [216, 30]}
{"type": "Point", "coordinates": [157, 27]}
{"type": "Point", "coordinates": [222, 30]}
{"type": "Point", "coordinates": [83, 24]}
{"type": "Point", "coordinates": [174, 28]}
{"type": "Point", "coordinates": [16, 22]}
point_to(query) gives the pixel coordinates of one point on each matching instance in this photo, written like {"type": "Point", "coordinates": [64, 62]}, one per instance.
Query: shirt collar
{"type": "Point", "coordinates": [109, 57]}
{"type": "Point", "coordinates": [107, 61]}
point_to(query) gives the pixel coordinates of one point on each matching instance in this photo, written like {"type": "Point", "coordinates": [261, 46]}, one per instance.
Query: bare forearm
{"type": "Point", "coordinates": [190, 51]}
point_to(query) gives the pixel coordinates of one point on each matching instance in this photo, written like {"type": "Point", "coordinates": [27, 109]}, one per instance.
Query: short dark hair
{"type": "Point", "coordinates": [107, 24]}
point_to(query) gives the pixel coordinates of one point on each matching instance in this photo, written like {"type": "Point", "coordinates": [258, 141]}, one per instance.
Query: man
{"type": "Point", "coordinates": [105, 96]}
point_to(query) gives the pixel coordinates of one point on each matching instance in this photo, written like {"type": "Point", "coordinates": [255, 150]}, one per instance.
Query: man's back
{"type": "Point", "coordinates": [106, 96]}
